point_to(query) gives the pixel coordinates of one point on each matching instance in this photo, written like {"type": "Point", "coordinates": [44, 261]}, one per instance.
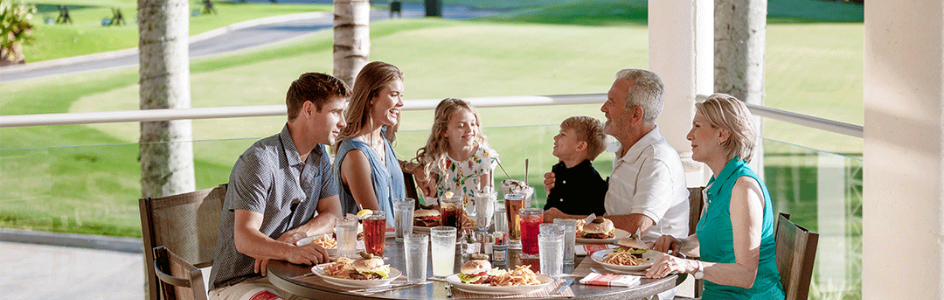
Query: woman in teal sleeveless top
{"type": "Point", "coordinates": [735, 234]}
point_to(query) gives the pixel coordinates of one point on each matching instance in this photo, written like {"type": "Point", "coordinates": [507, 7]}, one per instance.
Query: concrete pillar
{"type": "Point", "coordinates": [740, 30]}
{"type": "Point", "coordinates": [681, 52]}
{"type": "Point", "coordinates": [903, 180]}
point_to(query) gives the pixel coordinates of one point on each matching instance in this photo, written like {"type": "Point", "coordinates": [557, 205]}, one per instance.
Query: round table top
{"type": "Point", "coordinates": [286, 276]}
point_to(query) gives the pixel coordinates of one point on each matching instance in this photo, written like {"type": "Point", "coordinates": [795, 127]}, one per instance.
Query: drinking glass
{"type": "Point", "coordinates": [501, 220]}
{"type": "Point", "coordinates": [346, 231]}
{"type": "Point", "coordinates": [570, 235]}
{"type": "Point", "coordinates": [451, 209]}
{"type": "Point", "coordinates": [417, 249]}
{"type": "Point", "coordinates": [443, 239]}
{"type": "Point", "coordinates": [375, 227]}
{"type": "Point", "coordinates": [513, 203]}
{"type": "Point", "coordinates": [552, 254]}
{"type": "Point", "coordinates": [552, 228]}
{"type": "Point", "coordinates": [531, 219]}
{"type": "Point", "coordinates": [484, 209]}
{"type": "Point", "coordinates": [403, 216]}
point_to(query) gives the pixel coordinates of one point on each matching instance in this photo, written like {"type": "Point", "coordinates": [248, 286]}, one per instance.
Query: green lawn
{"type": "Point", "coordinates": [85, 178]}
{"type": "Point", "coordinates": [87, 35]}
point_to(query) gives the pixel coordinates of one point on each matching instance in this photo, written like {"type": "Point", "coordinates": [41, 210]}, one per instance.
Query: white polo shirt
{"type": "Point", "coordinates": [649, 180]}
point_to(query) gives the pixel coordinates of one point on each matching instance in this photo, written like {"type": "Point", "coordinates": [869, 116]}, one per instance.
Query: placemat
{"type": "Point", "coordinates": [543, 293]}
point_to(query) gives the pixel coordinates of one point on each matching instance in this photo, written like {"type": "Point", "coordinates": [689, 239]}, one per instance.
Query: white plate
{"type": "Point", "coordinates": [498, 290]}
{"type": "Point", "coordinates": [651, 255]}
{"type": "Point", "coordinates": [616, 237]}
{"type": "Point", "coordinates": [353, 283]}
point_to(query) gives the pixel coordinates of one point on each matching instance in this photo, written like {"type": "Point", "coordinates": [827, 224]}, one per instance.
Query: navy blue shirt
{"type": "Point", "coordinates": [578, 190]}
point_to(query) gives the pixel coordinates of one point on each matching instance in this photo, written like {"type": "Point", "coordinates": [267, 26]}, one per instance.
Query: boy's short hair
{"type": "Point", "coordinates": [589, 130]}
{"type": "Point", "coordinates": [315, 87]}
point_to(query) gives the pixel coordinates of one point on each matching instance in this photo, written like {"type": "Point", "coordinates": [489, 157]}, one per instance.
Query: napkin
{"type": "Point", "coordinates": [584, 250]}
{"type": "Point", "coordinates": [610, 280]}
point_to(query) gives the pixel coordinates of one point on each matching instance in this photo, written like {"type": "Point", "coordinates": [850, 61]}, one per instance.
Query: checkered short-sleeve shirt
{"type": "Point", "coordinates": [270, 179]}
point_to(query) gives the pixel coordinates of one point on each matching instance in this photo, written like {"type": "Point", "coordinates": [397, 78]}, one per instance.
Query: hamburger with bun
{"type": "Point", "coordinates": [475, 271]}
{"type": "Point", "coordinates": [599, 228]}
{"type": "Point", "coordinates": [369, 267]}
{"type": "Point", "coordinates": [426, 218]}
{"type": "Point", "coordinates": [633, 246]}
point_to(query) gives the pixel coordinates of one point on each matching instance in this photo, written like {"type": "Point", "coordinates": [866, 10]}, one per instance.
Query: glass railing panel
{"type": "Point", "coordinates": [822, 191]}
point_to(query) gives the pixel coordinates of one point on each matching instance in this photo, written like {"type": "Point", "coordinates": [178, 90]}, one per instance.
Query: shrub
{"type": "Point", "coordinates": [15, 30]}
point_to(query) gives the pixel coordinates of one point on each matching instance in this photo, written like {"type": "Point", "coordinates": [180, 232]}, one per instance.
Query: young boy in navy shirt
{"type": "Point", "coordinates": [578, 188]}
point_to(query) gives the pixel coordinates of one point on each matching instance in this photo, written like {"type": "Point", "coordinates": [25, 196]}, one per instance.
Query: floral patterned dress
{"type": "Point", "coordinates": [465, 177]}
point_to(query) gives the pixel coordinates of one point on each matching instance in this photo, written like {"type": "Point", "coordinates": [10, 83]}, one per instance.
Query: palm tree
{"type": "Point", "coordinates": [166, 150]}
{"type": "Point", "coordinates": [351, 38]}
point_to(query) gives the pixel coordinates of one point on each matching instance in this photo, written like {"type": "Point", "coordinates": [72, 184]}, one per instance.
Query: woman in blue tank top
{"type": "Point", "coordinates": [735, 234]}
{"type": "Point", "coordinates": [366, 170]}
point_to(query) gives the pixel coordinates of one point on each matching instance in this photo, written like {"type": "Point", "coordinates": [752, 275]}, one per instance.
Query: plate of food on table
{"type": "Point", "coordinates": [478, 276]}
{"type": "Point", "coordinates": [424, 219]}
{"type": "Point", "coordinates": [631, 256]}
{"type": "Point", "coordinates": [599, 231]}
{"type": "Point", "coordinates": [364, 272]}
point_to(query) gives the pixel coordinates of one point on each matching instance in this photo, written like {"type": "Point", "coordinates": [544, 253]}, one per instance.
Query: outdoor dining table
{"type": "Point", "coordinates": [299, 280]}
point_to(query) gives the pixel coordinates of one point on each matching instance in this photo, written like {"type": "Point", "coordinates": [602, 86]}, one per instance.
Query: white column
{"type": "Point", "coordinates": [903, 205]}
{"type": "Point", "coordinates": [681, 46]}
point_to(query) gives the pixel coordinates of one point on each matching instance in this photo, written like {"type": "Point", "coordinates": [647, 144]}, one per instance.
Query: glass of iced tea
{"type": "Point", "coordinates": [513, 203]}
{"type": "Point", "coordinates": [451, 209]}
{"type": "Point", "coordinates": [375, 227]}
{"type": "Point", "coordinates": [531, 219]}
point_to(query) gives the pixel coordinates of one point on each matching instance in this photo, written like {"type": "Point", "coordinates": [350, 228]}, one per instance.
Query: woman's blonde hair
{"type": "Point", "coordinates": [725, 111]}
{"type": "Point", "coordinates": [433, 156]}
{"type": "Point", "coordinates": [370, 80]}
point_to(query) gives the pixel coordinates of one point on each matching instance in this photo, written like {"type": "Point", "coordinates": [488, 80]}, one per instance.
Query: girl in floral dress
{"type": "Point", "coordinates": [456, 156]}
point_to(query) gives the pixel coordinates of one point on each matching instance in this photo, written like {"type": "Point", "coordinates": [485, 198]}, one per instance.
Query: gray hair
{"type": "Point", "coordinates": [647, 92]}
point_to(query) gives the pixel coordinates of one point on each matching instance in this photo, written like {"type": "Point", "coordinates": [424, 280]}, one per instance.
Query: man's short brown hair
{"type": "Point", "coordinates": [315, 87]}
{"type": "Point", "coordinates": [589, 130]}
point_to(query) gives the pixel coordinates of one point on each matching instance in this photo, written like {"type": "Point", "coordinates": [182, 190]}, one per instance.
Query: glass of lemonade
{"type": "Point", "coordinates": [443, 248]}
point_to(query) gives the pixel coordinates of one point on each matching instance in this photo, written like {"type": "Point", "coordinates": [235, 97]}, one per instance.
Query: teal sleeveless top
{"type": "Point", "coordinates": [387, 179]}
{"type": "Point", "coordinates": [716, 238]}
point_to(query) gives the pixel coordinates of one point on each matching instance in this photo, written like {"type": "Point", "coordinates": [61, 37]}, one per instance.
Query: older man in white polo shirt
{"type": "Point", "coordinates": [647, 190]}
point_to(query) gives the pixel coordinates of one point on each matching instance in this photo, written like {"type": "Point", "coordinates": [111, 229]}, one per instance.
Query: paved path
{"type": "Point", "coordinates": [237, 37]}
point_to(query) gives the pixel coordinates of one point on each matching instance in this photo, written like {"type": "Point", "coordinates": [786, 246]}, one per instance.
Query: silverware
{"type": "Point", "coordinates": [388, 287]}
{"type": "Point", "coordinates": [564, 286]}
{"type": "Point", "coordinates": [594, 270]}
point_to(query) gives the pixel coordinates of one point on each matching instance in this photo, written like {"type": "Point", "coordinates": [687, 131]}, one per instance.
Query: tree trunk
{"type": "Point", "coordinates": [740, 27]}
{"type": "Point", "coordinates": [166, 149]}
{"type": "Point", "coordinates": [351, 38]}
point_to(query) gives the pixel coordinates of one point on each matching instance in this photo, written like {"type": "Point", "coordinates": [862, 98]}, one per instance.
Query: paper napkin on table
{"type": "Point", "coordinates": [610, 280]}
{"type": "Point", "coordinates": [590, 248]}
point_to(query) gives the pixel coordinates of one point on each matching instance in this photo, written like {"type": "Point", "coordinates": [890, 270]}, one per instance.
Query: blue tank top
{"type": "Point", "coordinates": [387, 178]}
{"type": "Point", "coordinates": [716, 239]}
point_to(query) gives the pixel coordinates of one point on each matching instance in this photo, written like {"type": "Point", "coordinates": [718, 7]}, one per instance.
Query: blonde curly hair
{"type": "Point", "coordinates": [433, 156]}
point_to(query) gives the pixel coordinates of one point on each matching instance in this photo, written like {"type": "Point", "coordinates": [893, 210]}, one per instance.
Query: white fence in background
{"type": "Point", "coordinates": [425, 104]}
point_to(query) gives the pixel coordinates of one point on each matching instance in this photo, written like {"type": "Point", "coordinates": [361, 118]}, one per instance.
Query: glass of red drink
{"type": "Point", "coordinates": [531, 219]}
{"type": "Point", "coordinates": [375, 227]}
{"type": "Point", "coordinates": [451, 209]}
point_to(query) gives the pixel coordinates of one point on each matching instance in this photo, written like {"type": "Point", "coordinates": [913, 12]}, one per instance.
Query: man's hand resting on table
{"type": "Point", "coordinates": [310, 254]}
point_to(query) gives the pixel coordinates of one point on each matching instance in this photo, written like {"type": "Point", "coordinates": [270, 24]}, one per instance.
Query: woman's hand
{"type": "Point", "coordinates": [665, 243]}
{"type": "Point", "coordinates": [666, 264]}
